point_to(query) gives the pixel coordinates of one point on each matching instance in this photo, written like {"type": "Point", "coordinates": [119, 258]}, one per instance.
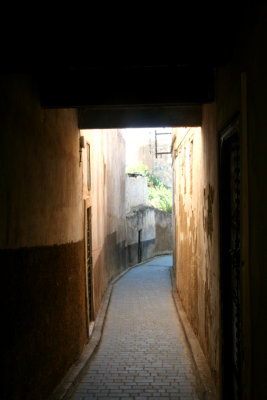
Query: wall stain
{"type": "Point", "coordinates": [196, 246]}
{"type": "Point", "coordinates": [208, 211]}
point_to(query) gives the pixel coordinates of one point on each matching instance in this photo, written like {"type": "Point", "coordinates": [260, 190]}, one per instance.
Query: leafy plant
{"type": "Point", "coordinates": [158, 194]}
{"type": "Point", "coordinates": [138, 168]}
{"type": "Point", "coordinates": [161, 198]}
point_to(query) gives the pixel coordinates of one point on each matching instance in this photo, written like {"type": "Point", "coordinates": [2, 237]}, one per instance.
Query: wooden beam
{"type": "Point", "coordinates": [139, 117]}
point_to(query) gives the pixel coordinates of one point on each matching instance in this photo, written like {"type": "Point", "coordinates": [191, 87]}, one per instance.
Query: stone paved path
{"type": "Point", "coordinates": [143, 354]}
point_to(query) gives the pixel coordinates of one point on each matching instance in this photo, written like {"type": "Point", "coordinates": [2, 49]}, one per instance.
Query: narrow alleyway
{"type": "Point", "coordinates": [143, 354]}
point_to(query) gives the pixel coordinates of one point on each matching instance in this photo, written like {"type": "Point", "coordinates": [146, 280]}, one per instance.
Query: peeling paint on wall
{"type": "Point", "coordinates": [208, 199]}
{"type": "Point", "coordinates": [196, 244]}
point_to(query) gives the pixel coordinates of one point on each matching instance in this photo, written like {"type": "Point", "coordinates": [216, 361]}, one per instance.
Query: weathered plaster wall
{"type": "Point", "coordinates": [40, 149]}
{"type": "Point", "coordinates": [115, 203]}
{"type": "Point", "coordinates": [210, 224]}
{"type": "Point", "coordinates": [240, 88]}
{"type": "Point", "coordinates": [196, 241]}
{"type": "Point", "coordinates": [107, 199]}
{"type": "Point", "coordinates": [146, 154]}
{"type": "Point", "coordinates": [41, 241]}
{"type": "Point", "coordinates": [136, 191]}
{"type": "Point", "coordinates": [161, 166]}
{"type": "Point", "coordinates": [140, 218]}
{"type": "Point", "coordinates": [156, 236]}
{"type": "Point", "coordinates": [164, 232]}
{"type": "Point", "coordinates": [155, 225]}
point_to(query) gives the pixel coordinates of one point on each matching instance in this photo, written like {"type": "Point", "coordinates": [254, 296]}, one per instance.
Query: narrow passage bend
{"type": "Point", "coordinates": [143, 354]}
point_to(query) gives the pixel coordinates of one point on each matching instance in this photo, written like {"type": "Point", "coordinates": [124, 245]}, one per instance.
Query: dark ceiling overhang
{"type": "Point", "coordinates": [130, 65]}
{"type": "Point", "coordinates": [131, 96]}
{"type": "Point", "coordinates": [127, 86]}
{"type": "Point", "coordinates": [140, 116]}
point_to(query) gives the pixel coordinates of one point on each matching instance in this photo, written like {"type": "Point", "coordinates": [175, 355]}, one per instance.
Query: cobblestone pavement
{"type": "Point", "coordinates": [143, 354]}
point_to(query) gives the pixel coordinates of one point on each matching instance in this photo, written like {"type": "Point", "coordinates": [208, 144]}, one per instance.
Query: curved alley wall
{"type": "Point", "coordinates": [140, 246]}
{"type": "Point", "coordinates": [155, 237]}
{"type": "Point", "coordinates": [106, 197]}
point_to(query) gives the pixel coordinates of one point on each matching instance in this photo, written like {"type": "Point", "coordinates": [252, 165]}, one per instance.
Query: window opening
{"type": "Point", "coordinates": [163, 144]}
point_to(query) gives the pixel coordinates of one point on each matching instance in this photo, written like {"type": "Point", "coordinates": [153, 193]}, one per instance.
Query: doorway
{"type": "Point", "coordinates": [139, 245]}
{"type": "Point", "coordinates": [230, 260]}
{"type": "Point", "coordinates": [89, 265]}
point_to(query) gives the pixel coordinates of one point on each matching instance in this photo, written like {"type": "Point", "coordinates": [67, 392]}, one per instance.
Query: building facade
{"type": "Point", "coordinates": [148, 230]}
{"type": "Point", "coordinates": [196, 208]}
{"type": "Point", "coordinates": [103, 164]}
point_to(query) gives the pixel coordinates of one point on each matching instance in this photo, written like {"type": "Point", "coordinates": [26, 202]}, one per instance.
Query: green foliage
{"type": "Point", "coordinates": [156, 182]}
{"type": "Point", "coordinates": [138, 168]}
{"type": "Point", "coordinates": [161, 198]}
{"type": "Point", "coordinates": [158, 194]}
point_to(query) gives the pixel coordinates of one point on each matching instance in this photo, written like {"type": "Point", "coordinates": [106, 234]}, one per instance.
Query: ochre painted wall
{"type": "Point", "coordinates": [41, 241]}
{"type": "Point", "coordinates": [107, 201]}
{"type": "Point", "coordinates": [196, 239]}
{"type": "Point", "coordinates": [39, 169]}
